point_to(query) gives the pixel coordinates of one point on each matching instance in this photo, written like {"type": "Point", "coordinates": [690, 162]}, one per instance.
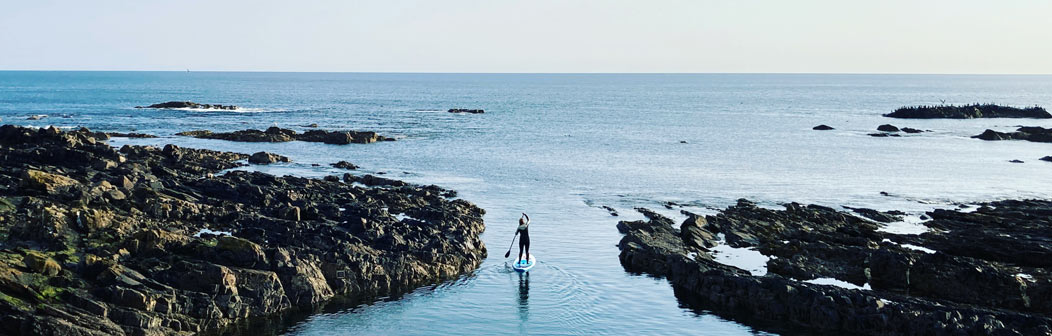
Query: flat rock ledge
{"type": "Point", "coordinates": [277, 134]}
{"type": "Point", "coordinates": [150, 241]}
{"type": "Point", "coordinates": [968, 112]}
{"type": "Point", "coordinates": [979, 273]}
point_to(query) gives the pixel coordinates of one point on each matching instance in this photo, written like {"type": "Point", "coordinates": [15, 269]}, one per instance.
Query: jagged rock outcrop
{"type": "Point", "coordinates": [968, 112]}
{"type": "Point", "coordinates": [123, 250]}
{"type": "Point", "coordinates": [277, 134]}
{"type": "Point", "coordinates": [979, 273]}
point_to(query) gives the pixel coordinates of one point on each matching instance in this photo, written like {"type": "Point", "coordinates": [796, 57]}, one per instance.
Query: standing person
{"type": "Point", "coordinates": [524, 241]}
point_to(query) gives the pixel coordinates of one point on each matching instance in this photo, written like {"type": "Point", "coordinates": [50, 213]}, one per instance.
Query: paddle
{"type": "Point", "coordinates": [512, 244]}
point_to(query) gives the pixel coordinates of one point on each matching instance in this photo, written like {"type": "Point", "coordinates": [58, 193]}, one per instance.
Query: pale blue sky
{"type": "Point", "coordinates": [827, 36]}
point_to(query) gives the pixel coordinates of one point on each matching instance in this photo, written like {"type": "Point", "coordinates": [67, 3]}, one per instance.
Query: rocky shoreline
{"type": "Point", "coordinates": [151, 241]}
{"type": "Point", "coordinates": [277, 134]}
{"type": "Point", "coordinates": [972, 273]}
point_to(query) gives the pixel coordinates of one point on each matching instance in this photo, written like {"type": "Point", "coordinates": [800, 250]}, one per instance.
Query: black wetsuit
{"type": "Point", "coordinates": [524, 240]}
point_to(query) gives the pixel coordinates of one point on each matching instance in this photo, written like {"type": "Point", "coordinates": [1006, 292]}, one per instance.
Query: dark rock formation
{"type": "Point", "coordinates": [1047, 158]}
{"type": "Point", "coordinates": [612, 211]}
{"type": "Point", "coordinates": [911, 130]}
{"type": "Point", "coordinates": [822, 128]}
{"type": "Point", "coordinates": [887, 128]}
{"type": "Point", "coordinates": [459, 110]}
{"type": "Point", "coordinates": [266, 158]}
{"type": "Point", "coordinates": [344, 165]}
{"type": "Point", "coordinates": [1015, 161]}
{"type": "Point", "coordinates": [187, 104]}
{"type": "Point", "coordinates": [987, 272]}
{"type": "Point", "coordinates": [968, 112]}
{"type": "Point", "coordinates": [131, 135]}
{"type": "Point", "coordinates": [276, 134]}
{"type": "Point", "coordinates": [1030, 133]}
{"type": "Point", "coordinates": [883, 217]}
{"type": "Point", "coordinates": [100, 241]}
{"type": "Point", "coordinates": [883, 135]}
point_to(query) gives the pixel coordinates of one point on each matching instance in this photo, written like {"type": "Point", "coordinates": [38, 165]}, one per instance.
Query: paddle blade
{"type": "Point", "coordinates": [506, 254]}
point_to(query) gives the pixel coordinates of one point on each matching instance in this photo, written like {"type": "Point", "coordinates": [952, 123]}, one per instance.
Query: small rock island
{"type": "Point", "coordinates": [189, 105]}
{"type": "Point", "coordinates": [968, 112]}
{"type": "Point", "coordinates": [277, 134]}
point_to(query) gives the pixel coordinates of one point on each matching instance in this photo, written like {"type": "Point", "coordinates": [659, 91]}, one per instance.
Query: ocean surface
{"type": "Point", "coordinates": [559, 146]}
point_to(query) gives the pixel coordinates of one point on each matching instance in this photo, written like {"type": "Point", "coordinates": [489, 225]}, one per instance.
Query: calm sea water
{"type": "Point", "coordinates": [559, 146]}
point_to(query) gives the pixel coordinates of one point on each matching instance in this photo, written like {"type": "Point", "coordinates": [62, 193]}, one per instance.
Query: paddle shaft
{"type": "Point", "coordinates": [512, 244]}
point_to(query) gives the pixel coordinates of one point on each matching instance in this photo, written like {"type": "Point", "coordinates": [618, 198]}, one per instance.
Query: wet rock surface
{"type": "Point", "coordinates": [189, 104]}
{"type": "Point", "coordinates": [344, 165]}
{"type": "Point", "coordinates": [887, 128]}
{"type": "Point", "coordinates": [822, 128]}
{"type": "Point", "coordinates": [153, 241]}
{"type": "Point", "coordinates": [472, 111]}
{"type": "Point", "coordinates": [1028, 133]}
{"type": "Point", "coordinates": [277, 134]}
{"type": "Point", "coordinates": [968, 112]}
{"type": "Point", "coordinates": [266, 158]}
{"type": "Point", "coordinates": [972, 273]}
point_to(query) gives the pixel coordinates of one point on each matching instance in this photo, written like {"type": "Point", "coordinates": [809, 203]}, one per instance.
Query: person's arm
{"type": "Point", "coordinates": [527, 218]}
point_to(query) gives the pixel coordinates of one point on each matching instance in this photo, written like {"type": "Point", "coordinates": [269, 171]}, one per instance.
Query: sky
{"type": "Point", "coordinates": [576, 36]}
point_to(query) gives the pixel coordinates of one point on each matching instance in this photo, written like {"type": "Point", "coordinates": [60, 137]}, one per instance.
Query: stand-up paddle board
{"type": "Point", "coordinates": [525, 264]}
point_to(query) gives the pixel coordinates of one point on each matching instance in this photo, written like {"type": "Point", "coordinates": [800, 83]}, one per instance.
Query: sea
{"type": "Point", "coordinates": [559, 147]}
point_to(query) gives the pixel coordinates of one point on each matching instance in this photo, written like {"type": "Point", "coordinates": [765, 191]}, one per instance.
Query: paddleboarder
{"type": "Point", "coordinates": [524, 240]}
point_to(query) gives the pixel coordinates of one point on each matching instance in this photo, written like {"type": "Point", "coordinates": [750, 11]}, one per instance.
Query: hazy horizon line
{"type": "Point", "coordinates": [537, 73]}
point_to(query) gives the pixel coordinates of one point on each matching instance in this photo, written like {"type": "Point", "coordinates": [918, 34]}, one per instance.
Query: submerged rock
{"type": "Point", "coordinates": [157, 244]}
{"type": "Point", "coordinates": [976, 273]}
{"type": "Point", "coordinates": [969, 112]}
{"type": "Point", "coordinates": [131, 135]}
{"type": "Point", "coordinates": [912, 130]}
{"type": "Point", "coordinates": [822, 128]}
{"type": "Point", "coordinates": [189, 104]}
{"type": "Point", "coordinates": [883, 135]}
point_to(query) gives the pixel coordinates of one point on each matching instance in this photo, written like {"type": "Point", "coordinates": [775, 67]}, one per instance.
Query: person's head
{"type": "Point", "coordinates": [522, 221]}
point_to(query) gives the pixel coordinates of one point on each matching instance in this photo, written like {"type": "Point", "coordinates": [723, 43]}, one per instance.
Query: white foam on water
{"type": "Point", "coordinates": [741, 257]}
{"type": "Point", "coordinates": [910, 246]}
{"type": "Point", "coordinates": [217, 233]}
{"type": "Point", "coordinates": [918, 248]}
{"type": "Point", "coordinates": [910, 224]}
{"type": "Point", "coordinates": [838, 283]}
{"type": "Point", "coordinates": [1025, 276]}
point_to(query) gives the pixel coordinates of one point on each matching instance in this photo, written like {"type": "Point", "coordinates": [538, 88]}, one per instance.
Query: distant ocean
{"type": "Point", "coordinates": [560, 146]}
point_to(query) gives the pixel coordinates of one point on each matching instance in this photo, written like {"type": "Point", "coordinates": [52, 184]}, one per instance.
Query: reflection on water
{"type": "Point", "coordinates": [524, 301]}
